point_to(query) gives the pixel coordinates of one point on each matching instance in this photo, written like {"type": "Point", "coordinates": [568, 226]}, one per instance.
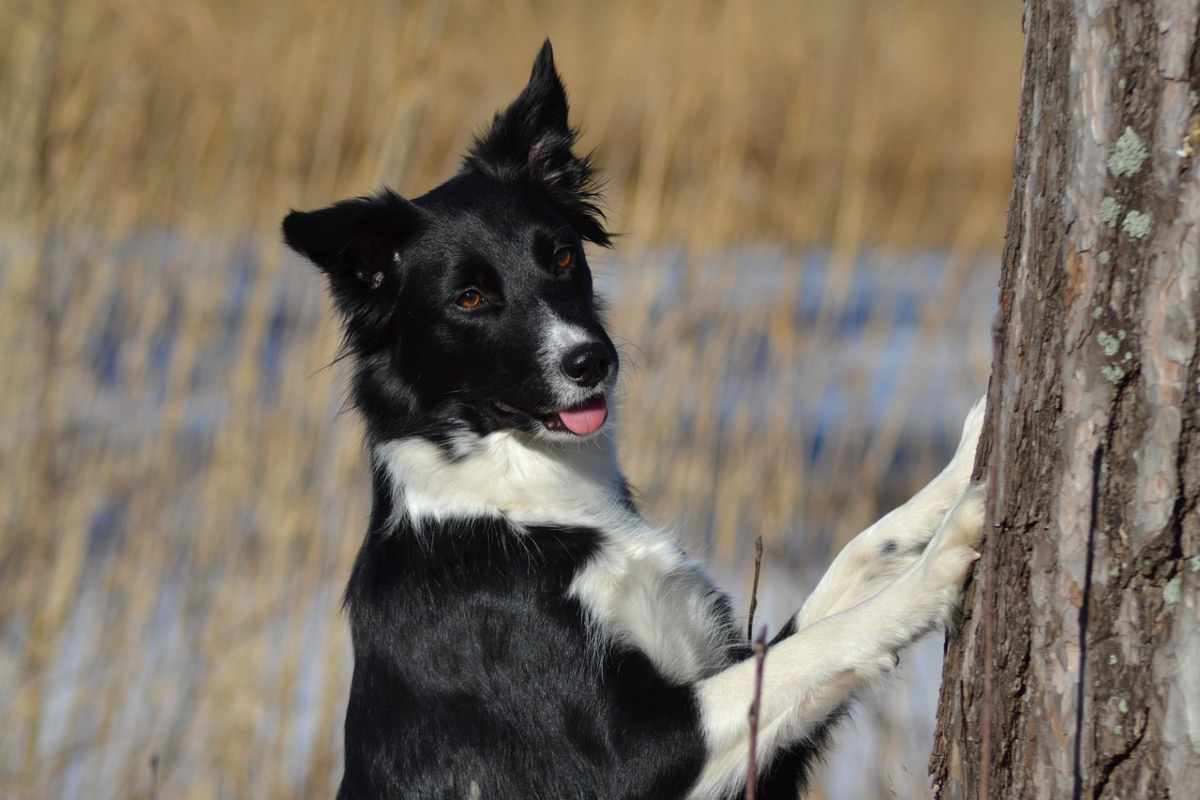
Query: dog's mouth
{"type": "Point", "coordinates": [582, 419]}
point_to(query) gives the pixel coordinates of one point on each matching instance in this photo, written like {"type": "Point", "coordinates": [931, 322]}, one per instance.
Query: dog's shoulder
{"type": "Point", "coordinates": [641, 589]}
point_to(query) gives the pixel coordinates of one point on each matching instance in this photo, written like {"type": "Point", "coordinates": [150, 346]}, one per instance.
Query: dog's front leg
{"type": "Point", "coordinates": [808, 676]}
{"type": "Point", "coordinates": [886, 549]}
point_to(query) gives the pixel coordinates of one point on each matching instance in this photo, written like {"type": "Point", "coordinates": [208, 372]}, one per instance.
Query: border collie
{"type": "Point", "coordinates": [519, 630]}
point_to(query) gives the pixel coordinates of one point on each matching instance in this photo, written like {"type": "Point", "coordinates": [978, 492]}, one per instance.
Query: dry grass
{"type": "Point", "coordinates": [182, 501]}
{"type": "Point", "coordinates": [803, 122]}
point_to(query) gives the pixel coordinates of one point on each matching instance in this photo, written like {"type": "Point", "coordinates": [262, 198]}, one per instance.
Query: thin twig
{"type": "Point", "coordinates": [758, 553]}
{"type": "Point", "coordinates": [760, 657]}
{"type": "Point", "coordinates": [154, 776]}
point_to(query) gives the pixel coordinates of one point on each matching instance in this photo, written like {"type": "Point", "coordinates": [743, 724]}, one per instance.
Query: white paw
{"type": "Point", "coordinates": [958, 472]}
{"type": "Point", "coordinates": [900, 539]}
{"type": "Point", "coordinates": [928, 594]}
{"type": "Point", "coordinates": [955, 546]}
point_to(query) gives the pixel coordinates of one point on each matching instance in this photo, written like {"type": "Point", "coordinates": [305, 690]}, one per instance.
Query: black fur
{"type": "Point", "coordinates": [472, 667]}
{"type": "Point", "coordinates": [476, 674]}
{"type": "Point", "coordinates": [422, 367]}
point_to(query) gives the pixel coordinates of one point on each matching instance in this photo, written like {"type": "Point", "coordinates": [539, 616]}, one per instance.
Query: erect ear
{"type": "Point", "coordinates": [538, 114]}
{"type": "Point", "coordinates": [357, 244]}
{"type": "Point", "coordinates": [531, 138]}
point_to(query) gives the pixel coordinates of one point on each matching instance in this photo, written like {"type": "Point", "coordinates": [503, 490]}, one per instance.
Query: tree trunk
{"type": "Point", "coordinates": [1077, 670]}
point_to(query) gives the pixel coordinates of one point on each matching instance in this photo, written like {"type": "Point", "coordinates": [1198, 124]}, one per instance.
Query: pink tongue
{"type": "Point", "coordinates": [582, 421]}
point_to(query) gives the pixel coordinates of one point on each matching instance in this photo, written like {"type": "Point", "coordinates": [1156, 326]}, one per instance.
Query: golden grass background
{"type": "Point", "coordinates": [182, 499]}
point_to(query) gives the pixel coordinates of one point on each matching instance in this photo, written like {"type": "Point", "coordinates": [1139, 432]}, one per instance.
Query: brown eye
{"type": "Point", "coordinates": [563, 258]}
{"type": "Point", "coordinates": [470, 299]}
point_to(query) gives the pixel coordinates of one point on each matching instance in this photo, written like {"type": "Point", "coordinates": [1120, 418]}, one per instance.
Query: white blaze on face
{"type": "Point", "coordinates": [559, 337]}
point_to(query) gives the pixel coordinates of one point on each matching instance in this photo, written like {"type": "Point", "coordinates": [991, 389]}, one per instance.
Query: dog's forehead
{"type": "Point", "coordinates": [465, 242]}
{"type": "Point", "coordinates": [480, 205]}
{"type": "Point", "coordinates": [499, 231]}
{"type": "Point", "coordinates": [511, 246]}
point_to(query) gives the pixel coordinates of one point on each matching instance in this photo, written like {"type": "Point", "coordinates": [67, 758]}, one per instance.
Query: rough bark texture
{"type": "Point", "coordinates": [1077, 671]}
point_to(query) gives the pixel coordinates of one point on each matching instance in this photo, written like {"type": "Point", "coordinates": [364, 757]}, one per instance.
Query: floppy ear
{"type": "Point", "coordinates": [532, 139]}
{"type": "Point", "coordinates": [357, 244]}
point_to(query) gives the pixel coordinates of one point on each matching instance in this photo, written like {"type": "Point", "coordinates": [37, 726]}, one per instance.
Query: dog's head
{"type": "Point", "coordinates": [471, 307]}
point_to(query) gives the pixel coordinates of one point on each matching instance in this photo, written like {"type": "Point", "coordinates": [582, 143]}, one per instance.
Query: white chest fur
{"type": "Point", "coordinates": [639, 589]}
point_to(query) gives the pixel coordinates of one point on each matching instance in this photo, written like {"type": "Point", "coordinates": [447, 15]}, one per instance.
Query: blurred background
{"type": "Point", "coordinates": [812, 195]}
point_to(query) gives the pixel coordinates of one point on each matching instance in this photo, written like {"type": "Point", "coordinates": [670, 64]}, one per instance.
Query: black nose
{"type": "Point", "coordinates": [587, 364]}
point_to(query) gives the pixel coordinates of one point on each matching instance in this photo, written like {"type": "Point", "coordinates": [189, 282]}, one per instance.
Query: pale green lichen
{"type": "Point", "coordinates": [1128, 154]}
{"type": "Point", "coordinates": [1127, 356]}
{"type": "Point", "coordinates": [1117, 729]}
{"type": "Point", "coordinates": [1110, 344]}
{"type": "Point", "coordinates": [1122, 706]}
{"type": "Point", "coordinates": [1104, 256]}
{"type": "Point", "coordinates": [1194, 563]}
{"type": "Point", "coordinates": [1110, 212]}
{"type": "Point", "coordinates": [1112, 660]}
{"type": "Point", "coordinates": [1137, 224]}
{"type": "Point", "coordinates": [1096, 312]}
{"type": "Point", "coordinates": [1112, 373]}
{"type": "Point", "coordinates": [1121, 334]}
{"type": "Point", "coordinates": [1172, 591]}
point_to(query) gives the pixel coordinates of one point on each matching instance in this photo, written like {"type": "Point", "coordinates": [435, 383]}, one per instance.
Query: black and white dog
{"type": "Point", "coordinates": [520, 631]}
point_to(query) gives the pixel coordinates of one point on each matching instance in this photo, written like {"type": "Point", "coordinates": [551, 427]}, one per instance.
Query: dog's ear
{"type": "Point", "coordinates": [358, 244]}
{"type": "Point", "coordinates": [532, 139]}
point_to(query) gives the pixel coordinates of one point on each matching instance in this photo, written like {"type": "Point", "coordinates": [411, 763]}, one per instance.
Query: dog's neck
{"type": "Point", "coordinates": [505, 475]}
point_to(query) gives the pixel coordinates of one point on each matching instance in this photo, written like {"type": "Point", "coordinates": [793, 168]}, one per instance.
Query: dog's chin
{"type": "Point", "coordinates": [577, 422]}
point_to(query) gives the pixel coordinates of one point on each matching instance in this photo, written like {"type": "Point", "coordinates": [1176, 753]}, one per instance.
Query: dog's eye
{"type": "Point", "coordinates": [563, 259]}
{"type": "Point", "coordinates": [469, 300]}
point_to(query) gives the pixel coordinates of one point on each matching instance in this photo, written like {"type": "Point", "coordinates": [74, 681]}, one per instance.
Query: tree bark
{"type": "Point", "coordinates": [1077, 670]}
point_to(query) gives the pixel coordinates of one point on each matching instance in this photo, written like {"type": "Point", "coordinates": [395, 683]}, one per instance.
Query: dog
{"type": "Point", "coordinates": [519, 630]}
